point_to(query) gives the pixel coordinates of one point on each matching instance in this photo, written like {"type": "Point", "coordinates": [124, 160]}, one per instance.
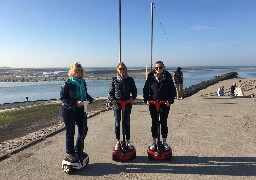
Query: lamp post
{"type": "Point", "coordinates": [120, 46]}
{"type": "Point", "coordinates": [152, 23]}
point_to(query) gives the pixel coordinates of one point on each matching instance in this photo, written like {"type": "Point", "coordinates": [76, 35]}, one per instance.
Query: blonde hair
{"type": "Point", "coordinates": [121, 64]}
{"type": "Point", "coordinates": [75, 66]}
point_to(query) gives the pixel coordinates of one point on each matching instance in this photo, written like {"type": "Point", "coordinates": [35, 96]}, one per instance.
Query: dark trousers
{"type": "Point", "coordinates": [164, 112]}
{"type": "Point", "coordinates": [71, 118]}
{"type": "Point", "coordinates": [118, 114]}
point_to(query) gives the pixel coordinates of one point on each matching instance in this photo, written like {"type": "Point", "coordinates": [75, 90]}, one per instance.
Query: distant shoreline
{"type": "Point", "coordinates": [60, 74]}
{"type": "Point", "coordinates": [187, 91]}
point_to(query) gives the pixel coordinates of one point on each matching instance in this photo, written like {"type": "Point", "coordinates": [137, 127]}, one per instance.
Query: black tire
{"type": "Point", "coordinates": [150, 157]}
{"type": "Point", "coordinates": [114, 157]}
{"type": "Point", "coordinates": [169, 157]}
{"type": "Point", "coordinates": [133, 157]}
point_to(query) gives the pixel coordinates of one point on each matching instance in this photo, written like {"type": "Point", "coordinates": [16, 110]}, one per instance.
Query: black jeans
{"type": "Point", "coordinates": [118, 114]}
{"type": "Point", "coordinates": [164, 112]}
{"type": "Point", "coordinates": [71, 118]}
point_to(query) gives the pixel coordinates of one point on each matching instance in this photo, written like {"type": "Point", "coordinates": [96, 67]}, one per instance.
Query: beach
{"type": "Point", "coordinates": [211, 137]}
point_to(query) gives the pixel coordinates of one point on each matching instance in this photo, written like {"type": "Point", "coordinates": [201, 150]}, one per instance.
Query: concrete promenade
{"type": "Point", "coordinates": [212, 138]}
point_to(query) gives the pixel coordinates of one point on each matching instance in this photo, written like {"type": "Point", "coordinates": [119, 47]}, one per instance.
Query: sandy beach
{"type": "Point", "coordinates": [212, 138]}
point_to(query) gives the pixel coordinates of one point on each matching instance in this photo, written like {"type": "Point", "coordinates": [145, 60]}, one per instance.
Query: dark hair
{"type": "Point", "coordinates": [160, 62]}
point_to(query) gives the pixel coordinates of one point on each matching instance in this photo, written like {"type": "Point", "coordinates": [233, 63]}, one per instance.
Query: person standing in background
{"type": "Point", "coordinates": [232, 89]}
{"type": "Point", "coordinates": [178, 78]}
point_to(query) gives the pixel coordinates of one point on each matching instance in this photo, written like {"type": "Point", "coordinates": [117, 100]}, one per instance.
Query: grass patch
{"type": "Point", "coordinates": [11, 116]}
{"type": "Point", "coordinates": [38, 111]}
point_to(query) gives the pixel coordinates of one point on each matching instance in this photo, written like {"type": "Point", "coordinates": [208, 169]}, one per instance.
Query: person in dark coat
{"type": "Point", "coordinates": [159, 86]}
{"type": "Point", "coordinates": [122, 88]}
{"type": "Point", "coordinates": [232, 89]}
{"type": "Point", "coordinates": [178, 78]}
{"type": "Point", "coordinates": [73, 94]}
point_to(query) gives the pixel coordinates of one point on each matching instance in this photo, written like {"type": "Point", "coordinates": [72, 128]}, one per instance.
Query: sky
{"type": "Point", "coordinates": [56, 33]}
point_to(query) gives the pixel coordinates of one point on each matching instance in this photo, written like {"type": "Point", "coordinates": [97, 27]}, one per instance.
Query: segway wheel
{"type": "Point", "coordinates": [67, 169]}
{"type": "Point", "coordinates": [150, 157]}
{"type": "Point", "coordinates": [114, 158]}
{"type": "Point", "coordinates": [133, 157]}
{"type": "Point", "coordinates": [169, 157]}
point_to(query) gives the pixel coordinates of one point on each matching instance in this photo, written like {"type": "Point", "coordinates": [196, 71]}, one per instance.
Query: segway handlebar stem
{"type": "Point", "coordinates": [123, 103]}
{"type": "Point", "coordinates": [157, 104]}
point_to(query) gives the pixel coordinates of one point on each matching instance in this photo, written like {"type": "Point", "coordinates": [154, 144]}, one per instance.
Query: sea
{"type": "Point", "coordinates": [12, 92]}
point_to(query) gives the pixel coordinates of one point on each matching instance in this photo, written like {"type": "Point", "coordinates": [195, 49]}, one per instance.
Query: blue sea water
{"type": "Point", "coordinates": [18, 91]}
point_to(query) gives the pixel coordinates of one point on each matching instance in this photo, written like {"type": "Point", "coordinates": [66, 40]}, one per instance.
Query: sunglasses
{"type": "Point", "coordinates": [121, 69]}
{"type": "Point", "coordinates": [158, 67]}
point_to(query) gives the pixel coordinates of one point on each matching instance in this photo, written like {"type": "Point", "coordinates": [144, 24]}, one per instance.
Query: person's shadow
{"type": "Point", "coordinates": [231, 166]}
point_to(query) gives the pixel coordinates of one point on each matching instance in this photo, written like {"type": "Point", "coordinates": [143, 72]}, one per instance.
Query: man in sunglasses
{"type": "Point", "coordinates": [159, 87]}
{"type": "Point", "coordinates": [178, 78]}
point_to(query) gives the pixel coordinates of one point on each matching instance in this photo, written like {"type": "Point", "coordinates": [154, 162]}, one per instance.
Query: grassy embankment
{"type": "Point", "coordinates": [38, 111]}
{"type": "Point", "coordinates": [18, 114]}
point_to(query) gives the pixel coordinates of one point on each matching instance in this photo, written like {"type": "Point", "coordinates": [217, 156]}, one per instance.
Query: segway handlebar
{"type": "Point", "coordinates": [123, 103]}
{"type": "Point", "coordinates": [157, 104]}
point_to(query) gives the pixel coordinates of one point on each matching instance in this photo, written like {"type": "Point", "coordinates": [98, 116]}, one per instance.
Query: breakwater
{"type": "Point", "coordinates": [204, 84]}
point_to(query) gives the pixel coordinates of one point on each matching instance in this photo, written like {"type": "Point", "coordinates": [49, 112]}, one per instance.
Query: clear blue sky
{"type": "Point", "coordinates": [55, 33]}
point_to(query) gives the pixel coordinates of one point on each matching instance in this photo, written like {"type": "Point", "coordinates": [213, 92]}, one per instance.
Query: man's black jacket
{"type": "Point", "coordinates": [161, 90]}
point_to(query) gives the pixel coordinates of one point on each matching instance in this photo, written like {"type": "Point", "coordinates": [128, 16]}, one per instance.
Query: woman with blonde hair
{"type": "Point", "coordinates": [73, 94]}
{"type": "Point", "coordinates": [122, 88]}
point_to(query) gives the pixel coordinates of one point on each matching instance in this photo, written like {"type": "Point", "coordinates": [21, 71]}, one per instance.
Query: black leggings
{"type": "Point", "coordinates": [164, 111]}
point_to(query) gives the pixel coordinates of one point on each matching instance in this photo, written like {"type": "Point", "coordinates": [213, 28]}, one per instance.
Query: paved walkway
{"type": "Point", "coordinates": [211, 137]}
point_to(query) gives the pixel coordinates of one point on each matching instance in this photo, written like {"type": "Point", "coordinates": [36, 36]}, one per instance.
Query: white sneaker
{"type": "Point", "coordinates": [117, 146]}
{"type": "Point", "coordinates": [129, 144]}
{"type": "Point", "coordinates": [152, 146]}
{"type": "Point", "coordinates": [166, 146]}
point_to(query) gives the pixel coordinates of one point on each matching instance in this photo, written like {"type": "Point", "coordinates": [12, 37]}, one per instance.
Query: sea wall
{"type": "Point", "coordinates": [204, 84]}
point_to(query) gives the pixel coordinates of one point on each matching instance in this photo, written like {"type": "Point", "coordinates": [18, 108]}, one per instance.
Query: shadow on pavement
{"type": "Point", "coordinates": [231, 166]}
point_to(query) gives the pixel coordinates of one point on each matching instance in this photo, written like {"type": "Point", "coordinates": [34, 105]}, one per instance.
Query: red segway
{"type": "Point", "coordinates": [159, 152]}
{"type": "Point", "coordinates": [125, 153]}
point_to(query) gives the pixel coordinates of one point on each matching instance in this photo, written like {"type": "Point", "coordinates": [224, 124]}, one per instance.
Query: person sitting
{"type": "Point", "coordinates": [239, 91]}
{"type": "Point", "coordinates": [220, 91]}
